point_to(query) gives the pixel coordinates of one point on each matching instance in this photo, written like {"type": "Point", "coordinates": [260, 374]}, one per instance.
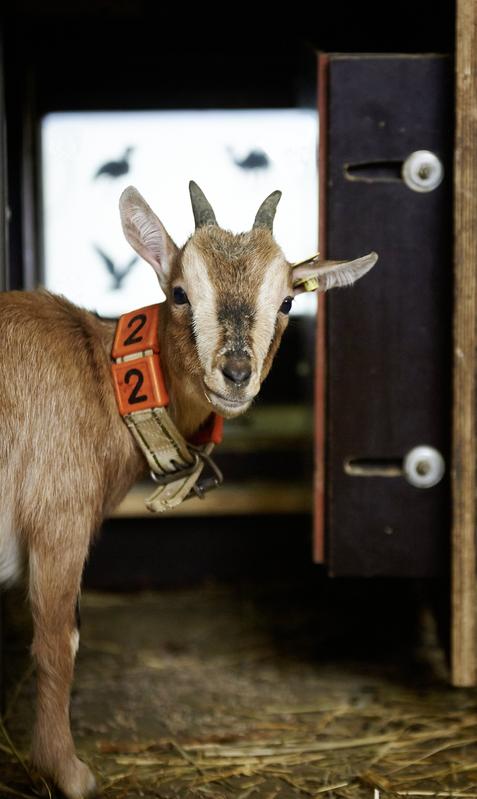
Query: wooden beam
{"type": "Point", "coordinates": [252, 497]}
{"type": "Point", "coordinates": [465, 342]}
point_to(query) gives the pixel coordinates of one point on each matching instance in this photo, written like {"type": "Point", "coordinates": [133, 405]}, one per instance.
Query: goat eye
{"type": "Point", "coordinates": [286, 305]}
{"type": "Point", "coordinates": [180, 297]}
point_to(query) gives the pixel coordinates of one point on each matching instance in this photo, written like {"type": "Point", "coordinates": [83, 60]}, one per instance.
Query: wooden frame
{"type": "Point", "coordinates": [464, 594]}
{"type": "Point", "coordinates": [320, 357]}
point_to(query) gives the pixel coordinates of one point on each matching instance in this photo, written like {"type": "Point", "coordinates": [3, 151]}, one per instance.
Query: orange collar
{"type": "Point", "coordinates": [137, 372]}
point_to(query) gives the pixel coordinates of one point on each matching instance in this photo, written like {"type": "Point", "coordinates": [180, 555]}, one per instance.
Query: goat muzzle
{"type": "Point", "coordinates": [236, 369]}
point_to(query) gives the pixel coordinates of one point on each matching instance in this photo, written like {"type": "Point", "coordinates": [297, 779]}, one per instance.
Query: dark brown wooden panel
{"type": "Point", "coordinates": [388, 337]}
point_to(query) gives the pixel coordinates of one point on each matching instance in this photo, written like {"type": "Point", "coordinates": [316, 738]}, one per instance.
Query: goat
{"type": "Point", "coordinates": [66, 456]}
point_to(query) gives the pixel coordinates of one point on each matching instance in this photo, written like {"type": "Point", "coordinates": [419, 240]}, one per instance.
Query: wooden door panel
{"type": "Point", "coordinates": [388, 367]}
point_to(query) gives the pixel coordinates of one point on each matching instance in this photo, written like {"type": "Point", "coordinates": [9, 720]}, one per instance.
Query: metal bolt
{"type": "Point", "coordinates": [422, 171]}
{"type": "Point", "coordinates": [425, 172]}
{"type": "Point", "coordinates": [423, 467]}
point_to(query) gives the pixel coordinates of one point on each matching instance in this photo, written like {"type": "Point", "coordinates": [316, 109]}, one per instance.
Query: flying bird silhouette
{"type": "Point", "coordinates": [116, 169]}
{"type": "Point", "coordinates": [118, 275]}
{"type": "Point", "coordinates": [256, 159]}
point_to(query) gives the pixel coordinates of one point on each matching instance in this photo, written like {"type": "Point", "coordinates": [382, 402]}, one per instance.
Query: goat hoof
{"type": "Point", "coordinates": [77, 781]}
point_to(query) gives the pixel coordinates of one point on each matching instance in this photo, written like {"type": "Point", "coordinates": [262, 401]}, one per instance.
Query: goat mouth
{"type": "Point", "coordinates": [224, 403]}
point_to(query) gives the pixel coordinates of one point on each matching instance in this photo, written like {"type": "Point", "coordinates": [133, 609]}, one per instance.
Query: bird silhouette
{"type": "Point", "coordinates": [256, 159]}
{"type": "Point", "coordinates": [115, 169]}
{"type": "Point", "coordinates": [118, 275]}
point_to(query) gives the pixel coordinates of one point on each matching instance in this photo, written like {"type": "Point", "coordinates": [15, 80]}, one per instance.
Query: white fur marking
{"type": "Point", "coordinates": [10, 555]}
{"type": "Point", "coordinates": [202, 297]}
{"type": "Point", "coordinates": [74, 641]}
{"type": "Point", "coordinates": [270, 296]}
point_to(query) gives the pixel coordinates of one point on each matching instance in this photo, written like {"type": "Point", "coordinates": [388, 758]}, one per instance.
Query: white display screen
{"type": "Point", "coordinates": [237, 157]}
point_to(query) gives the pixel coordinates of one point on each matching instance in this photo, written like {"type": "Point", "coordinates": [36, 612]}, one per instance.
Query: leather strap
{"type": "Point", "coordinates": [173, 463]}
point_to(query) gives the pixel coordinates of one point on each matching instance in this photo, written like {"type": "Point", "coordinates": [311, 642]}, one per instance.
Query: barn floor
{"type": "Point", "coordinates": [254, 690]}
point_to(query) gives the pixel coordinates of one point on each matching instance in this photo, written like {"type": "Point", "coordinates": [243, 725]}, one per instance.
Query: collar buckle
{"type": "Point", "coordinates": [206, 484]}
{"type": "Point", "coordinates": [180, 471]}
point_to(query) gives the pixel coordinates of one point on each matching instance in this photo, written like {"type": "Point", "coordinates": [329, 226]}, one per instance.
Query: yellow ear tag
{"type": "Point", "coordinates": [309, 283]}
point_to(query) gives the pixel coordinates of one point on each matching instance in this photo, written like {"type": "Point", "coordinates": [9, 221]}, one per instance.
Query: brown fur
{"type": "Point", "coordinates": [66, 459]}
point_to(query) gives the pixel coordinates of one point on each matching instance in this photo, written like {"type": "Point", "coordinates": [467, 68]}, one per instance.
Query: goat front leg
{"type": "Point", "coordinates": [55, 578]}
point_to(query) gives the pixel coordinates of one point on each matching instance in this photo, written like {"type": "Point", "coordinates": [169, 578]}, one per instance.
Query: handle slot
{"type": "Point", "coordinates": [373, 467]}
{"type": "Point", "coordinates": [374, 171]}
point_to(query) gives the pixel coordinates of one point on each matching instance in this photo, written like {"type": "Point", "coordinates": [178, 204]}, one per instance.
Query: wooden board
{"type": "Point", "coordinates": [388, 338]}
{"type": "Point", "coordinates": [465, 342]}
{"type": "Point", "coordinates": [254, 497]}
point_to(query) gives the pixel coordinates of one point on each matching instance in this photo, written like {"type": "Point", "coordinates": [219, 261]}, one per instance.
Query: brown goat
{"type": "Point", "coordinates": [66, 456]}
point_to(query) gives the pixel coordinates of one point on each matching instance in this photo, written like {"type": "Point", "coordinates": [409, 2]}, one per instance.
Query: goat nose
{"type": "Point", "coordinates": [237, 369]}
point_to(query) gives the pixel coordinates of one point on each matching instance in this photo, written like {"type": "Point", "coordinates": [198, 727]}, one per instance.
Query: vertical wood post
{"type": "Point", "coordinates": [464, 354]}
{"type": "Point", "coordinates": [320, 356]}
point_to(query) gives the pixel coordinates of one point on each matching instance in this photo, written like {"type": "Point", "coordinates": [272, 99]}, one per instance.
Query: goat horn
{"type": "Point", "coordinates": [202, 209]}
{"type": "Point", "coordinates": [266, 212]}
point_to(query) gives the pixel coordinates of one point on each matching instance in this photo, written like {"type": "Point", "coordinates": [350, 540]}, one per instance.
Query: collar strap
{"type": "Point", "coordinates": [175, 464]}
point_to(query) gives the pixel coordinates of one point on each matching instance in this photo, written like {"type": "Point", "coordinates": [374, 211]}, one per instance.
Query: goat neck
{"type": "Point", "coordinates": [187, 408]}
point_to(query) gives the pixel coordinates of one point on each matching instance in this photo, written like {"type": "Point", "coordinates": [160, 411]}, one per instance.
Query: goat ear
{"type": "Point", "coordinates": [146, 234]}
{"type": "Point", "coordinates": [323, 275]}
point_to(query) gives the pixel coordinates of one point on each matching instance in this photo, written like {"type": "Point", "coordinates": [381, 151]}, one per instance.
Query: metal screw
{"type": "Point", "coordinates": [423, 467]}
{"type": "Point", "coordinates": [422, 171]}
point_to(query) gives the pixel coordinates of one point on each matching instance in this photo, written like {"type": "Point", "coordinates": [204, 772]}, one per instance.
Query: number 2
{"type": "Point", "coordinates": [133, 398]}
{"type": "Point", "coordinates": [133, 338]}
